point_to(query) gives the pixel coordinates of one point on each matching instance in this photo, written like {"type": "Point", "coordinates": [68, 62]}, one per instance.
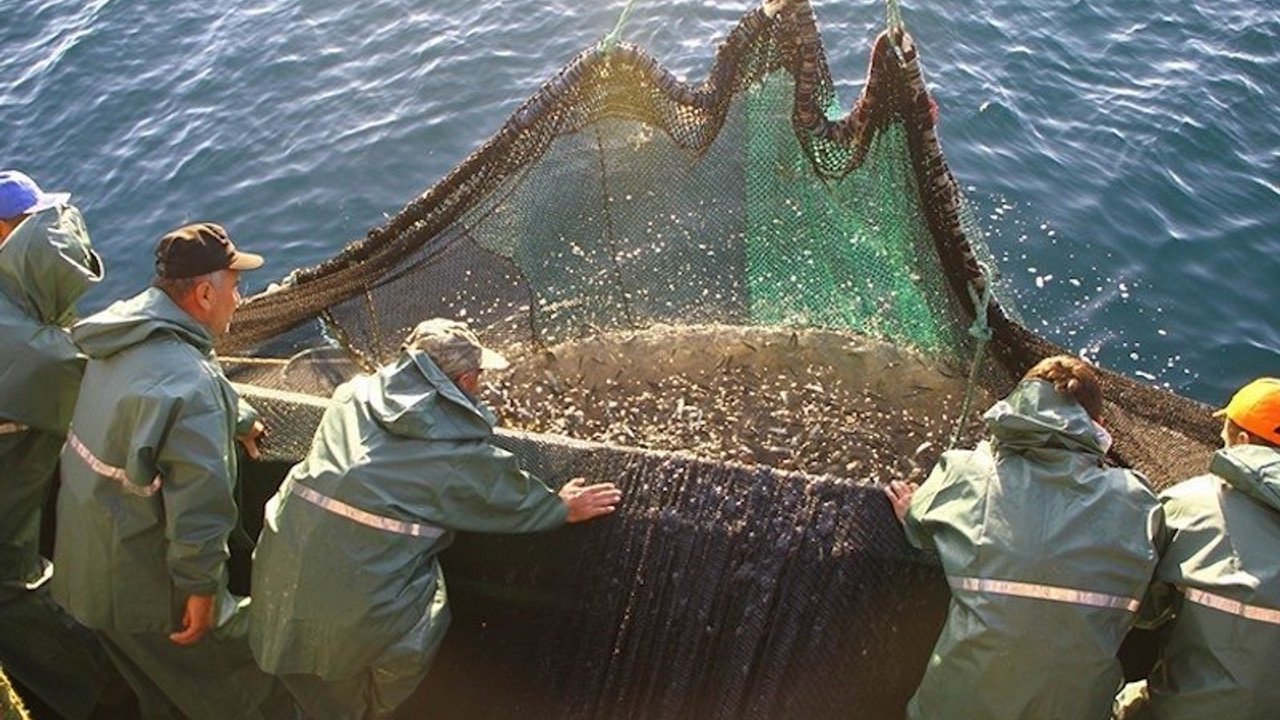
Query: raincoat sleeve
{"type": "Point", "coordinates": [246, 416]}
{"type": "Point", "coordinates": [490, 493]}
{"type": "Point", "coordinates": [1158, 604]}
{"type": "Point", "coordinates": [45, 379]}
{"type": "Point", "coordinates": [199, 505]}
{"type": "Point", "coordinates": [946, 482]}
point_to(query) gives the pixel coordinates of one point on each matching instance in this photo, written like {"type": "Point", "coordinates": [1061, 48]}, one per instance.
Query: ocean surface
{"type": "Point", "coordinates": [1123, 157]}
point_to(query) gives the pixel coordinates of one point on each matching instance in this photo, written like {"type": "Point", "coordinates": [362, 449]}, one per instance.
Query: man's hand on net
{"type": "Point", "coordinates": [589, 501]}
{"type": "Point", "coordinates": [773, 7]}
{"type": "Point", "coordinates": [900, 493]}
{"type": "Point", "coordinates": [251, 439]}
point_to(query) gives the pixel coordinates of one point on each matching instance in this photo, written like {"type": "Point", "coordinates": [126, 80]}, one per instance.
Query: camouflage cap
{"type": "Point", "coordinates": [453, 347]}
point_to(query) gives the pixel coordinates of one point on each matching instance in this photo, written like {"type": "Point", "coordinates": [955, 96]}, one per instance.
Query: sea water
{"type": "Point", "coordinates": [1123, 158]}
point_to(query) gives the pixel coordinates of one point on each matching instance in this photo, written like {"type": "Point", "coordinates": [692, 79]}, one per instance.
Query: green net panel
{"type": "Point", "coordinates": [746, 309]}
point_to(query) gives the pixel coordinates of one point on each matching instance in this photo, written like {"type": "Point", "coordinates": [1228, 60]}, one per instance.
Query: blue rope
{"type": "Point", "coordinates": [980, 330]}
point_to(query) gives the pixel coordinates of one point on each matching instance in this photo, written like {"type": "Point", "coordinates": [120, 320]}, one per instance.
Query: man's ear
{"type": "Point", "coordinates": [467, 380]}
{"type": "Point", "coordinates": [204, 293]}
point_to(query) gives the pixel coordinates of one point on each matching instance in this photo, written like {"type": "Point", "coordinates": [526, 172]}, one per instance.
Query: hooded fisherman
{"type": "Point", "coordinates": [46, 264]}
{"type": "Point", "coordinates": [1218, 582]}
{"type": "Point", "coordinates": [148, 489]}
{"type": "Point", "coordinates": [349, 602]}
{"type": "Point", "coordinates": [1047, 551]}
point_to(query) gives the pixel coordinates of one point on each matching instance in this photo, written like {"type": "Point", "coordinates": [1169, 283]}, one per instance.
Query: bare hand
{"type": "Point", "coordinates": [250, 439]}
{"type": "Point", "coordinates": [589, 501]}
{"type": "Point", "coordinates": [900, 493]}
{"type": "Point", "coordinates": [773, 7]}
{"type": "Point", "coordinates": [196, 621]}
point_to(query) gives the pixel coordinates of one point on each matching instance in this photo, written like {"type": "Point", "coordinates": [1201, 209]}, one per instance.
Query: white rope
{"type": "Point", "coordinates": [981, 332]}
{"type": "Point", "coordinates": [892, 15]}
{"type": "Point", "coordinates": [287, 396]}
{"type": "Point", "coordinates": [264, 361]}
{"type": "Point", "coordinates": [615, 36]}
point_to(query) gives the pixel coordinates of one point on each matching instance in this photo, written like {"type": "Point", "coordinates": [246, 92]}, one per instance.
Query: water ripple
{"type": "Point", "coordinates": [1128, 152]}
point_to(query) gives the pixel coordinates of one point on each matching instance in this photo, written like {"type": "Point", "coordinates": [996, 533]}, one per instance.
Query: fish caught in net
{"type": "Point", "coordinates": [746, 310]}
{"type": "Point", "coordinates": [816, 401]}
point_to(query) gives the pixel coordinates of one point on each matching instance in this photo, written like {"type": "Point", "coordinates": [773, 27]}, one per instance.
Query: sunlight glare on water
{"type": "Point", "coordinates": [1121, 156]}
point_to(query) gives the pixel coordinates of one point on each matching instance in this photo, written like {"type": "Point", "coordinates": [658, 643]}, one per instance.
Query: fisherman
{"type": "Point", "coordinates": [1217, 587]}
{"type": "Point", "coordinates": [46, 264]}
{"type": "Point", "coordinates": [147, 499]}
{"type": "Point", "coordinates": [349, 601]}
{"type": "Point", "coordinates": [1047, 553]}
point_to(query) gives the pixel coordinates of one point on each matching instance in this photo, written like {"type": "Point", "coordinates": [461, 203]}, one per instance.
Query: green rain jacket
{"type": "Point", "coordinates": [45, 266]}
{"type": "Point", "coordinates": [1221, 658]}
{"type": "Point", "coordinates": [345, 575]}
{"type": "Point", "coordinates": [148, 472]}
{"type": "Point", "coordinates": [1048, 554]}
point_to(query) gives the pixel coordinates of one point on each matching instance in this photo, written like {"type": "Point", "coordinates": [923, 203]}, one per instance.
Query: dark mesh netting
{"type": "Point", "coordinates": [746, 313]}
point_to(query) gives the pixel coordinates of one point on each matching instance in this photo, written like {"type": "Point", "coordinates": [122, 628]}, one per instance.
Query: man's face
{"type": "Point", "coordinates": [8, 226]}
{"type": "Point", "coordinates": [224, 299]}
{"type": "Point", "coordinates": [468, 382]}
{"type": "Point", "coordinates": [1228, 438]}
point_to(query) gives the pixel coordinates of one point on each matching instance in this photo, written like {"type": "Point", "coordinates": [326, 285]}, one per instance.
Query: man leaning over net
{"type": "Point", "coordinates": [1218, 582]}
{"type": "Point", "coordinates": [349, 604]}
{"type": "Point", "coordinates": [1047, 552]}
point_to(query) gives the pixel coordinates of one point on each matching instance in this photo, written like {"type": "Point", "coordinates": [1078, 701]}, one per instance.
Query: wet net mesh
{"type": "Point", "coordinates": [746, 309]}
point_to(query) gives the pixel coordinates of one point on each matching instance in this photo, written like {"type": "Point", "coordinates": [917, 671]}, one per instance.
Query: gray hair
{"type": "Point", "coordinates": [177, 288]}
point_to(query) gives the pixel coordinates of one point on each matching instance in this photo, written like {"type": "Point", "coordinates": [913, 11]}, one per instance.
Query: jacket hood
{"type": "Point", "coordinates": [1035, 415]}
{"type": "Point", "coordinates": [129, 322]}
{"type": "Point", "coordinates": [414, 398]}
{"type": "Point", "coordinates": [47, 264]}
{"type": "Point", "coordinates": [1252, 469]}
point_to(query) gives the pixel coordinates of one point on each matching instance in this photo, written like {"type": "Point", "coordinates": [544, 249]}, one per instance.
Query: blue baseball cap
{"type": "Point", "coordinates": [20, 195]}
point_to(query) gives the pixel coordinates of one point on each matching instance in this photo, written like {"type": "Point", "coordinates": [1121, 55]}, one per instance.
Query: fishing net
{"type": "Point", "coordinates": [744, 308]}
